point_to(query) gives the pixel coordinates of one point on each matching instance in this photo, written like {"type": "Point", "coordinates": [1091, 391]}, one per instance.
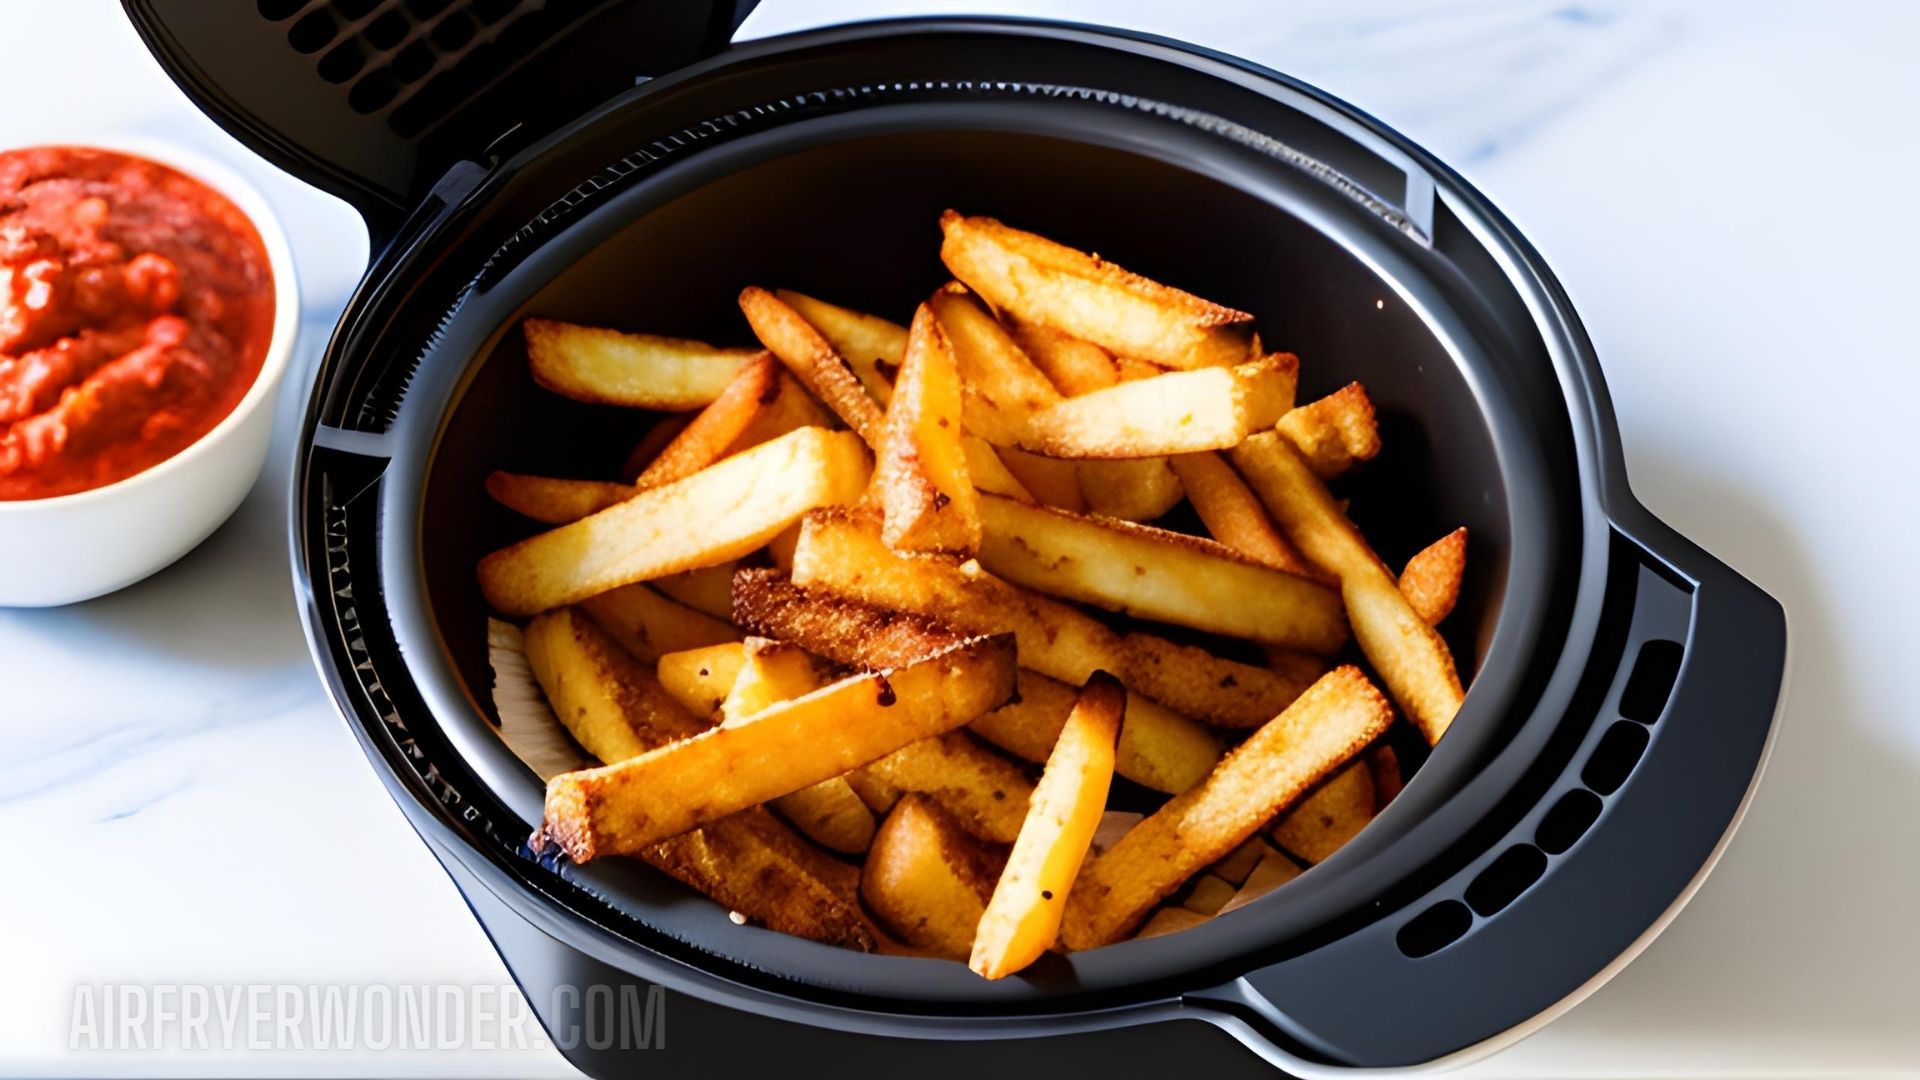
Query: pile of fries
{"type": "Point", "coordinates": [864, 633]}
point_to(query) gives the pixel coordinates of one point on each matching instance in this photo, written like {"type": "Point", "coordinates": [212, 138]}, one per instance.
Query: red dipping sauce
{"type": "Point", "coordinates": [136, 305]}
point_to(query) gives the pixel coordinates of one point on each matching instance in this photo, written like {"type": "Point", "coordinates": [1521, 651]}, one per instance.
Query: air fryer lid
{"type": "Point", "coordinates": [374, 99]}
{"type": "Point", "coordinates": [1566, 796]}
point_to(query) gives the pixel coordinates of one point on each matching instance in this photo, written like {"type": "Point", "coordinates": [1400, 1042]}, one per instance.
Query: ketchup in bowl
{"type": "Point", "coordinates": [136, 307]}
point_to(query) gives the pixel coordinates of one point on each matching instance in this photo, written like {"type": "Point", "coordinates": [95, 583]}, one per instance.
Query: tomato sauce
{"type": "Point", "coordinates": [136, 305]}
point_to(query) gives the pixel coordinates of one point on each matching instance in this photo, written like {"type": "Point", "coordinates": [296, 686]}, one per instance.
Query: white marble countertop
{"type": "Point", "coordinates": [1721, 186]}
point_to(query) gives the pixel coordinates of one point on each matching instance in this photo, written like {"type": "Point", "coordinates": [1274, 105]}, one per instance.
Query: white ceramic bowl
{"type": "Point", "coordinates": [74, 547]}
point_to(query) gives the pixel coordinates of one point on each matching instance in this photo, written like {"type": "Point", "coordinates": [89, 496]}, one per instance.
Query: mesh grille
{"type": "Point", "coordinates": [412, 62]}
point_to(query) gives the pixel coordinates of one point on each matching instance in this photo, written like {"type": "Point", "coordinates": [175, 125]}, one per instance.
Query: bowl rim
{"type": "Point", "coordinates": [226, 181]}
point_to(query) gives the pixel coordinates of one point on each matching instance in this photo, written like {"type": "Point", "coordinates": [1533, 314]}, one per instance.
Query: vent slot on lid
{"type": "Point", "coordinates": [1506, 878]}
{"type": "Point", "coordinates": [1613, 760]}
{"type": "Point", "coordinates": [1434, 929]}
{"type": "Point", "coordinates": [1568, 821]}
{"type": "Point", "coordinates": [1651, 682]}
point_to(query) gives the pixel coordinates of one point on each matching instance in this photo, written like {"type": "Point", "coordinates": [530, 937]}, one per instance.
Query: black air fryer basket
{"type": "Point", "coordinates": [515, 158]}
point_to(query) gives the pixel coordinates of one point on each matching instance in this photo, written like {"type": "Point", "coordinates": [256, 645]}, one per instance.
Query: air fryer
{"type": "Point", "coordinates": [616, 163]}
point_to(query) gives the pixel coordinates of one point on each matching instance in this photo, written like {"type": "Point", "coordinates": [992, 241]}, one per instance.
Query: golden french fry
{"type": "Point", "coordinates": [926, 879]}
{"type": "Point", "coordinates": [990, 363]}
{"type": "Point", "coordinates": [1387, 781]}
{"type": "Point", "coordinates": [840, 551]}
{"type": "Point", "coordinates": [1333, 721]}
{"type": "Point", "coordinates": [1140, 489]}
{"type": "Point", "coordinates": [622, 808]}
{"type": "Point", "coordinates": [985, 792]}
{"type": "Point", "coordinates": [649, 625]}
{"type": "Point", "coordinates": [1158, 747]}
{"type": "Point", "coordinates": [1038, 281]}
{"type": "Point", "coordinates": [708, 589]}
{"type": "Point", "coordinates": [1241, 861]}
{"type": "Point", "coordinates": [700, 679]}
{"type": "Point", "coordinates": [1409, 655]}
{"type": "Point", "coordinates": [799, 346]}
{"type": "Point", "coordinates": [1273, 871]}
{"type": "Point", "coordinates": [989, 472]}
{"type": "Point", "coordinates": [1334, 433]}
{"type": "Point", "coordinates": [879, 795]}
{"type": "Point", "coordinates": [608, 700]}
{"type": "Point", "coordinates": [1329, 816]}
{"type": "Point", "coordinates": [1073, 366]}
{"type": "Point", "coordinates": [664, 430]}
{"type": "Point", "coordinates": [1233, 514]}
{"type": "Point", "coordinates": [1169, 920]}
{"type": "Point", "coordinates": [1431, 581]}
{"type": "Point", "coordinates": [829, 812]}
{"type": "Point", "coordinates": [554, 500]}
{"type": "Point", "coordinates": [1114, 824]}
{"type": "Point", "coordinates": [1207, 894]}
{"type": "Point", "coordinates": [640, 370]}
{"type": "Point", "coordinates": [752, 863]}
{"type": "Point", "coordinates": [871, 346]}
{"type": "Point", "coordinates": [1177, 412]}
{"type": "Point", "coordinates": [926, 495]}
{"type": "Point", "coordinates": [761, 403]}
{"type": "Point", "coordinates": [1023, 917]}
{"type": "Point", "coordinates": [739, 504]}
{"type": "Point", "coordinates": [749, 862]}
{"type": "Point", "coordinates": [1157, 574]}
{"type": "Point", "coordinates": [1048, 480]}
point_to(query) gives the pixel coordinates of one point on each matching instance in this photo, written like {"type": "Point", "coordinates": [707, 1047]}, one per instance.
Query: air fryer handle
{"type": "Point", "coordinates": [1584, 879]}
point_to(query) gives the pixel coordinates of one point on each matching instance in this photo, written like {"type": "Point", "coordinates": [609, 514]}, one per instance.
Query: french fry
{"type": "Point", "coordinates": [1207, 894]}
{"type": "Point", "coordinates": [1140, 489]}
{"type": "Point", "coordinates": [1327, 818]}
{"type": "Point", "coordinates": [642, 371]}
{"type": "Point", "coordinates": [989, 472]}
{"type": "Point", "coordinates": [829, 812]}
{"type": "Point", "coordinates": [1178, 412]}
{"type": "Point", "coordinates": [622, 808]}
{"type": "Point", "coordinates": [990, 363]}
{"type": "Point", "coordinates": [708, 589]}
{"type": "Point", "coordinates": [926, 879]}
{"type": "Point", "coordinates": [752, 863]}
{"type": "Point", "coordinates": [1114, 824]}
{"type": "Point", "coordinates": [799, 346]}
{"type": "Point", "coordinates": [1241, 861]}
{"type": "Point", "coordinates": [1023, 917]}
{"type": "Point", "coordinates": [1233, 514]}
{"type": "Point", "coordinates": [1333, 721]}
{"type": "Point", "coordinates": [926, 494]}
{"type": "Point", "coordinates": [649, 625]}
{"type": "Point", "coordinates": [871, 346]}
{"type": "Point", "coordinates": [554, 500]}
{"type": "Point", "coordinates": [700, 679]}
{"type": "Point", "coordinates": [840, 551]}
{"type": "Point", "coordinates": [1273, 871]}
{"type": "Point", "coordinates": [985, 792]}
{"type": "Point", "coordinates": [664, 430]}
{"type": "Point", "coordinates": [1047, 480]}
{"type": "Point", "coordinates": [1073, 366]}
{"type": "Point", "coordinates": [762, 402]}
{"type": "Point", "coordinates": [1387, 781]}
{"type": "Point", "coordinates": [1135, 490]}
{"type": "Point", "coordinates": [1038, 281]}
{"type": "Point", "coordinates": [608, 700]}
{"type": "Point", "coordinates": [1410, 656]}
{"type": "Point", "coordinates": [1158, 747]}
{"type": "Point", "coordinates": [1334, 433]}
{"type": "Point", "coordinates": [739, 503]}
{"type": "Point", "coordinates": [879, 795]}
{"type": "Point", "coordinates": [1157, 574]}
{"type": "Point", "coordinates": [749, 862]}
{"type": "Point", "coordinates": [1169, 920]}
{"type": "Point", "coordinates": [1431, 581]}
